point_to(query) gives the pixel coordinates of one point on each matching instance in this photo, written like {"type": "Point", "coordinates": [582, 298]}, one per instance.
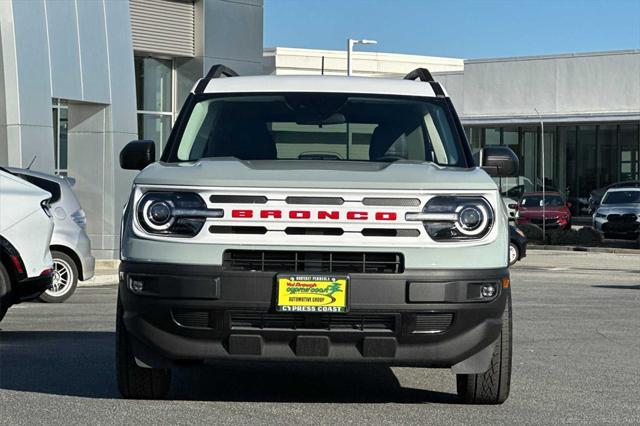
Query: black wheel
{"type": "Point", "coordinates": [5, 287]}
{"type": "Point", "coordinates": [135, 382]}
{"type": "Point", "coordinates": [492, 386]}
{"type": "Point", "coordinates": [514, 254]}
{"type": "Point", "coordinates": [65, 279]}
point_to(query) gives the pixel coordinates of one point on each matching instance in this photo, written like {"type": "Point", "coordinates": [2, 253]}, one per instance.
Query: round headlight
{"type": "Point", "coordinates": [472, 219]}
{"type": "Point", "coordinates": [158, 214]}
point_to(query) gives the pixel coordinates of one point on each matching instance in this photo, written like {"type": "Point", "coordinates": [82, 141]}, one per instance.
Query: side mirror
{"type": "Point", "coordinates": [498, 161]}
{"type": "Point", "coordinates": [137, 155]}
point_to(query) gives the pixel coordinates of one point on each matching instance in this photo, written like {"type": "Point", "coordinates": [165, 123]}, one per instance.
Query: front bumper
{"type": "Point", "coordinates": [431, 318]}
{"type": "Point", "coordinates": [617, 229]}
{"type": "Point", "coordinates": [31, 288]}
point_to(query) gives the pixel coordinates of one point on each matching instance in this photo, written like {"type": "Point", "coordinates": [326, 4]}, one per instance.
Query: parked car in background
{"type": "Point", "coordinates": [26, 267]}
{"type": "Point", "coordinates": [70, 244]}
{"type": "Point", "coordinates": [517, 245]}
{"type": "Point", "coordinates": [511, 205]}
{"type": "Point", "coordinates": [619, 214]}
{"type": "Point", "coordinates": [596, 195]}
{"type": "Point", "coordinates": [556, 210]}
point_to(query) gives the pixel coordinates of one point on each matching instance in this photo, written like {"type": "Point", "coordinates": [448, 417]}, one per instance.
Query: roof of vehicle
{"type": "Point", "coordinates": [312, 83]}
{"type": "Point", "coordinates": [547, 193]}
{"type": "Point", "coordinates": [623, 189]}
{"type": "Point", "coordinates": [53, 178]}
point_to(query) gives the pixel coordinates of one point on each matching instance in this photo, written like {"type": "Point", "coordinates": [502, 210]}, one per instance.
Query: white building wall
{"type": "Point", "coordinates": [287, 61]}
{"type": "Point", "coordinates": [578, 87]}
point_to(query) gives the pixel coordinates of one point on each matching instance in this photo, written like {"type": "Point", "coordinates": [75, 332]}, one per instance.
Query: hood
{"type": "Point", "coordinates": [230, 172]}
{"type": "Point", "coordinates": [620, 209]}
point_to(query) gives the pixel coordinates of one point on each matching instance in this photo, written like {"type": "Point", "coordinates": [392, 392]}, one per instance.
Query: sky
{"type": "Point", "coordinates": [468, 29]}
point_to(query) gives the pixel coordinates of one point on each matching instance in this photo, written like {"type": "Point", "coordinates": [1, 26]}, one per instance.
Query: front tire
{"type": "Point", "coordinates": [65, 279]}
{"type": "Point", "coordinates": [514, 254]}
{"type": "Point", "coordinates": [5, 286]}
{"type": "Point", "coordinates": [492, 386]}
{"type": "Point", "coordinates": [135, 382]}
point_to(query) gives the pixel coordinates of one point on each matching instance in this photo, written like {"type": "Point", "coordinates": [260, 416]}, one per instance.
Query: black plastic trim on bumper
{"type": "Point", "coordinates": [149, 316]}
{"type": "Point", "coordinates": [31, 288]}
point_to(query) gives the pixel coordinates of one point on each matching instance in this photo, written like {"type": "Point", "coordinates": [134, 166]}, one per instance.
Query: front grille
{"type": "Point", "coordinates": [402, 202]}
{"type": "Point", "coordinates": [303, 261]}
{"type": "Point", "coordinates": [191, 318]}
{"type": "Point", "coordinates": [548, 221]}
{"type": "Point", "coordinates": [333, 322]}
{"type": "Point", "coordinates": [432, 323]}
{"type": "Point", "coordinates": [622, 218]}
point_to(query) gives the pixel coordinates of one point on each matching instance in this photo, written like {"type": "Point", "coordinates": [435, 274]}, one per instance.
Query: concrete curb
{"type": "Point", "coordinates": [583, 249]}
{"type": "Point", "coordinates": [110, 264]}
{"type": "Point", "coordinates": [101, 280]}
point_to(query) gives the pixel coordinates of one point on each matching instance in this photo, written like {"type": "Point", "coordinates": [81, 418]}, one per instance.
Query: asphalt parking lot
{"type": "Point", "coordinates": [576, 360]}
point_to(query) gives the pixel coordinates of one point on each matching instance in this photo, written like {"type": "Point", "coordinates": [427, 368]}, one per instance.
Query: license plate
{"type": "Point", "coordinates": [312, 293]}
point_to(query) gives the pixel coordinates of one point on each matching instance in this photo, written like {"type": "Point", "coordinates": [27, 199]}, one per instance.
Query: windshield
{"type": "Point", "coordinates": [622, 197]}
{"type": "Point", "coordinates": [319, 126]}
{"type": "Point", "coordinates": [536, 201]}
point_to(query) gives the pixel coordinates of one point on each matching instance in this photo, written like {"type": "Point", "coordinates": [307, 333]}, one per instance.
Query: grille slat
{"type": "Point", "coordinates": [401, 202]}
{"type": "Point", "coordinates": [191, 318]}
{"type": "Point", "coordinates": [347, 322]}
{"type": "Point", "coordinates": [433, 323]}
{"type": "Point", "coordinates": [326, 262]}
{"type": "Point", "coordinates": [327, 201]}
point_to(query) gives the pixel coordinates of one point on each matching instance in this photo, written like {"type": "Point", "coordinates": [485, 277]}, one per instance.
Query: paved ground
{"type": "Point", "coordinates": [576, 360]}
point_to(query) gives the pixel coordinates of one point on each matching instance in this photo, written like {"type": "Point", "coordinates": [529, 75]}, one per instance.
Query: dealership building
{"type": "Point", "coordinates": [80, 79]}
{"type": "Point", "coordinates": [589, 105]}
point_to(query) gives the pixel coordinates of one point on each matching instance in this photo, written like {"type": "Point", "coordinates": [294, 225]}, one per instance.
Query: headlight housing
{"type": "Point", "coordinates": [174, 214]}
{"type": "Point", "coordinates": [447, 218]}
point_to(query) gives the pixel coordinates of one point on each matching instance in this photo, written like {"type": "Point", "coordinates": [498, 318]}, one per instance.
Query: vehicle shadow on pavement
{"type": "Point", "coordinates": [81, 363]}
{"type": "Point", "coordinates": [618, 286]}
{"type": "Point", "coordinates": [309, 383]}
{"type": "Point", "coordinates": [73, 363]}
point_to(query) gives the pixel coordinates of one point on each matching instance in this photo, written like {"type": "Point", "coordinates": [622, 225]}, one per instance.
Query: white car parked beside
{"type": "Point", "coordinates": [26, 226]}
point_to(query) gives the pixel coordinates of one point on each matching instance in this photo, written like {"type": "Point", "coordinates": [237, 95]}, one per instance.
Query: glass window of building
{"type": "Point", "coordinates": [607, 154]}
{"type": "Point", "coordinates": [474, 137]}
{"type": "Point", "coordinates": [548, 174]}
{"type": "Point", "coordinates": [587, 165]}
{"type": "Point", "coordinates": [491, 136]}
{"type": "Point", "coordinates": [629, 165]}
{"type": "Point", "coordinates": [567, 163]}
{"type": "Point", "coordinates": [60, 110]}
{"type": "Point", "coordinates": [511, 186]}
{"type": "Point", "coordinates": [155, 99]}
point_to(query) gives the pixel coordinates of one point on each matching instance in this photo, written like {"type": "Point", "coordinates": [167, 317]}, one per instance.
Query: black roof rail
{"type": "Point", "coordinates": [423, 74]}
{"type": "Point", "coordinates": [219, 70]}
{"type": "Point", "coordinates": [216, 71]}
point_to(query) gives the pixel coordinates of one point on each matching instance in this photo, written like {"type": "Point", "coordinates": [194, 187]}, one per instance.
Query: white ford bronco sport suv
{"type": "Point", "coordinates": [318, 219]}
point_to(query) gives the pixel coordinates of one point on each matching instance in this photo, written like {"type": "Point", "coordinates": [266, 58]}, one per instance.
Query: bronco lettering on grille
{"type": "Point", "coordinates": [309, 215]}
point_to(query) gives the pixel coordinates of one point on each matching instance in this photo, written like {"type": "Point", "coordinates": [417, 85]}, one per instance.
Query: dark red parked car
{"type": "Point", "coordinates": [556, 211]}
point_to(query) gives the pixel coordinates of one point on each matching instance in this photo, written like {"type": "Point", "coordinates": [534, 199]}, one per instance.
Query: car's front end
{"type": "Point", "coordinates": [409, 297]}
{"type": "Point", "coordinates": [618, 222]}
{"type": "Point", "coordinates": [343, 223]}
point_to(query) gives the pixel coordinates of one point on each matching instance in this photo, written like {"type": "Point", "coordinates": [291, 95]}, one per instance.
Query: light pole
{"type": "Point", "coordinates": [350, 43]}
{"type": "Point", "coordinates": [544, 203]}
